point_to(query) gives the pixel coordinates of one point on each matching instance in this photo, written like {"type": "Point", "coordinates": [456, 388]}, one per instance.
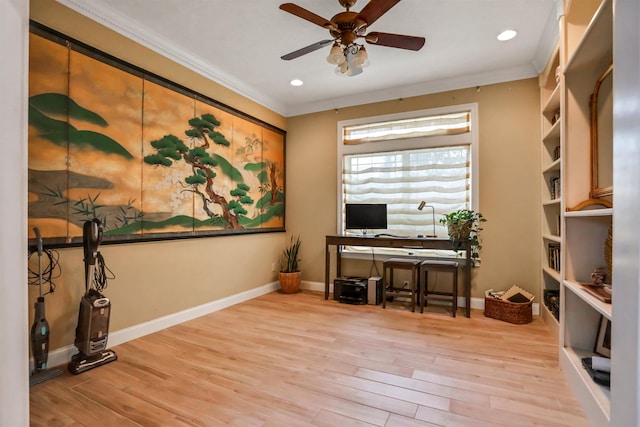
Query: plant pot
{"type": "Point", "coordinates": [290, 282]}
{"type": "Point", "coordinates": [459, 231]}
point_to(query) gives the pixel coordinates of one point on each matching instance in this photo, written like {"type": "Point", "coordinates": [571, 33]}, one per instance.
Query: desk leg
{"type": "Point", "coordinates": [327, 270]}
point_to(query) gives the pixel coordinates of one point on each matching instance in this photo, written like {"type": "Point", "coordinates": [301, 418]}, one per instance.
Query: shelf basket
{"type": "Point", "coordinates": [512, 312]}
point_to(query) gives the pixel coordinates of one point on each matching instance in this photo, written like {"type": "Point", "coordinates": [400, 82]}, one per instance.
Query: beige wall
{"type": "Point", "coordinates": [160, 278]}
{"type": "Point", "coordinates": [509, 180]}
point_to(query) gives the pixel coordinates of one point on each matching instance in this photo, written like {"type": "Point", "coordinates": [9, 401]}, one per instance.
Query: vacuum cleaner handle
{"type": "Point", "coordinates": [96, 232]}
{"type": "Point", "coordinates": [38, 240]}
{"type": "Point", "coordinates": [91, 239]}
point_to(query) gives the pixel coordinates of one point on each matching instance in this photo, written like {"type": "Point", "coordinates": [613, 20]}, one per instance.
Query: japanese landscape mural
{"type": "Point", "coordinates": [148, 158]}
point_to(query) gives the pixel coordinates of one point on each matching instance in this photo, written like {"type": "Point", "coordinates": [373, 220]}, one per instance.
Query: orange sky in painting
{"type": "Point", "coordinates": [116, 96]}
{"type": "Point", "coordinates": [47, 73]}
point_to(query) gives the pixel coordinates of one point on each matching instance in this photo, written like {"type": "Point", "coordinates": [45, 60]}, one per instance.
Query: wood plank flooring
{"type": "Point", "coordinates": [298, 360]}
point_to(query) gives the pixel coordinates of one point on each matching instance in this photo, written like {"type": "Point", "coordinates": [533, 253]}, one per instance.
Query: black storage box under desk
{"type": "Point", "coordinates": [350, 290]}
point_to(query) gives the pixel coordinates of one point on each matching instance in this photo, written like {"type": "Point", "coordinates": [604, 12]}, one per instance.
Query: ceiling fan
{"type": "Point", "coordinates": [346, 28]}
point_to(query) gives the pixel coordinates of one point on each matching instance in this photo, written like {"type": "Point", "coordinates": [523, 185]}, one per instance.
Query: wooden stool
{"type": "Point", "coordinates": [414, 283]}
{"type": "Point", "coordinates": [435, 266]}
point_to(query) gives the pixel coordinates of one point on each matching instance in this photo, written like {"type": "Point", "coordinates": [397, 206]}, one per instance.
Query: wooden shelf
{"type": "Point", "coordinates": [599, 397]}
{"type": "Point", "coordinates": [553, 103]}
{"type": "Point", "coordinates": [553, 167]}
{"type": "Point", "coordinates": [552, 238]}
{"type": "Point", "coordinates": [550, 320]}
{"type": "Point", "coordinates": [553, 133]}
{"type": "Point", "coordinates": [596, 44]}
{"type": "Point", "coordinates": [601, 307]}
{"type": "Point", "coordinates": [552, 273]}
{"type": "Point", "coordinates": [590, 213]}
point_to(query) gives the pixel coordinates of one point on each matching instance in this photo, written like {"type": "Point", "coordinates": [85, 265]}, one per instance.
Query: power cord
{"type": "Point", "coordinates": [100, 276]}
{"type": "Point", "coordinates": [373, 264]}
{"type": "Point", "coordinates": [51, 270]}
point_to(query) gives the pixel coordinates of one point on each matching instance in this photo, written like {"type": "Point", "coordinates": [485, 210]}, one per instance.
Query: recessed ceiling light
{"type": "Point", "coordinates": [507, 35]}
{"type": "Point", "coordinates": [296, 82]}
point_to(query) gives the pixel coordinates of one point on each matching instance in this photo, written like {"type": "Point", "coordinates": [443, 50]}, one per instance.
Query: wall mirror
{"type": "Point", "coordinates": [601, 122]}
{"type": "Point", "coordinates": [602, 136]}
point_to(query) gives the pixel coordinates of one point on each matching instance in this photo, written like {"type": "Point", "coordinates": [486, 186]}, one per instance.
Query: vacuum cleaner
{"type": "Point", "coordinates": [93, 318]}
{"type": "Point", "coordinates": [40, 330]}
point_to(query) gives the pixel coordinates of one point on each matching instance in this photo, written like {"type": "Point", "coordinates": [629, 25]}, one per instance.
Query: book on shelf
{"type": "Point", "coordinates": [554, 188]}
{"type": "Point", "coordinates": [554, 256]}
{"type": "Point", "coordinates": [556, 153]}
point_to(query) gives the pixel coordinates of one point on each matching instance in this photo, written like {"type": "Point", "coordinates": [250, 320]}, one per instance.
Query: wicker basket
{"type": "Point", "coordinates": [512, 312]}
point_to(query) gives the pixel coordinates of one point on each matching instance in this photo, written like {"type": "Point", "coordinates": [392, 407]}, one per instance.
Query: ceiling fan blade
{"type": "Point", "coordinates": [375, 9]}
{"type": "Point", "coordinates": [395, 40]}
{"type": "Point", "coordinates": [308, 49]}
{"type": "Point", "coordinates": [307, 15]}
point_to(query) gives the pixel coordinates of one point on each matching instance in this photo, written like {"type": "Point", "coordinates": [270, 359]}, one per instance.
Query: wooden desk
{"type": "Point", "coordinates": [397, 242]}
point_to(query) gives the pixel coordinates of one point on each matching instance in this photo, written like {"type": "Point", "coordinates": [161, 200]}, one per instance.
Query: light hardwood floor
{"type": "Point", "coordinates": [298, 360]}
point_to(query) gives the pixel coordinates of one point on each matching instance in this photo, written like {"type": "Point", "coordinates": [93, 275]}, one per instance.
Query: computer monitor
{"type": "Point", "coordinates": [365, 216]}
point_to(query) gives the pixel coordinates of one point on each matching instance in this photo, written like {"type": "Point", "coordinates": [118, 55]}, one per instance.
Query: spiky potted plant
{"type": "Point", "coordinates": [465, 224]}
{"type": "Point", "coordinates": [290, 275]}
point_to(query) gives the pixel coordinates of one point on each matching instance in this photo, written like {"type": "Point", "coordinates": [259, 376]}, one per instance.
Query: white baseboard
{"type": "Point", "coordinates": [63, 355]}
{"type": "Point", "coordinates": [476, 303]}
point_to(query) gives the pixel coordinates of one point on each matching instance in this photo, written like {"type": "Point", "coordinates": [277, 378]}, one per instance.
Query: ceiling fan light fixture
{"type": "Point", "coordinates": [360, 59]}
{"type": "Point", "coordinates": [336, 56]}
{"type": "Point", "coordinates": [349, 68]}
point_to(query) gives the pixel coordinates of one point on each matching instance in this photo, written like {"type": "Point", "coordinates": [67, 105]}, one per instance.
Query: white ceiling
{"type": "Point", "coordinates": [238, 43]}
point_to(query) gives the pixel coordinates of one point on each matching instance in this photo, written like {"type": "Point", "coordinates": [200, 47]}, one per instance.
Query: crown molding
{"type": "Point", "coordinates": [142, 35]}
{"type": "Point", "coordinates": [549, 39]}
{"type": "Point", "coordinates": [424, 88]}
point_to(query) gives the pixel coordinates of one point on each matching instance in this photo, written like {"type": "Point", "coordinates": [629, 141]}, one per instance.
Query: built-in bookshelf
{"type": "Point", "coordinates": [550, 81]}
{"type": "Point", "coordinates": [575, 227]}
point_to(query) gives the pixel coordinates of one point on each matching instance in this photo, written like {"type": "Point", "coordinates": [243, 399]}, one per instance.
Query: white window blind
{"type": "Point", "coordinates": [444, 124]}
{"type": "Point", "coordinates": [402, 179]}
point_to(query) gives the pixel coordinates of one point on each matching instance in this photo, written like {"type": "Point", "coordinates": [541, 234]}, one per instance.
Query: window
{"type": "Point", "coordinates": [402, 160]}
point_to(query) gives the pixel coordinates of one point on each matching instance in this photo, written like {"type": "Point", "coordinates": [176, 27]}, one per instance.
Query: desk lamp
{"type": "Point", "coordinates": [422, 205]}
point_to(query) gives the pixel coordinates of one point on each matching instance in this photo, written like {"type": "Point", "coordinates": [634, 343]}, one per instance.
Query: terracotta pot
{"type": "Point", "coordinates": [290, 282]}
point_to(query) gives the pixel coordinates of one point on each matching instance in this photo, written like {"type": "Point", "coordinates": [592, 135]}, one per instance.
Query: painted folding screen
{"type": "Point", "coordinates": [148, 158]}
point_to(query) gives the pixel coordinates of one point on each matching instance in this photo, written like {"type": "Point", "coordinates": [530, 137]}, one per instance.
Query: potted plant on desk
{"type": "Point", "coordinates": [290, 276]}
{"type": "Point", "coordinates": [465, 224]}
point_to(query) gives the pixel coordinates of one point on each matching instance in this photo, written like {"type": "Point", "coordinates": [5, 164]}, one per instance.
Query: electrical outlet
{"type": "Point", "coordinates": [273, 267]}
